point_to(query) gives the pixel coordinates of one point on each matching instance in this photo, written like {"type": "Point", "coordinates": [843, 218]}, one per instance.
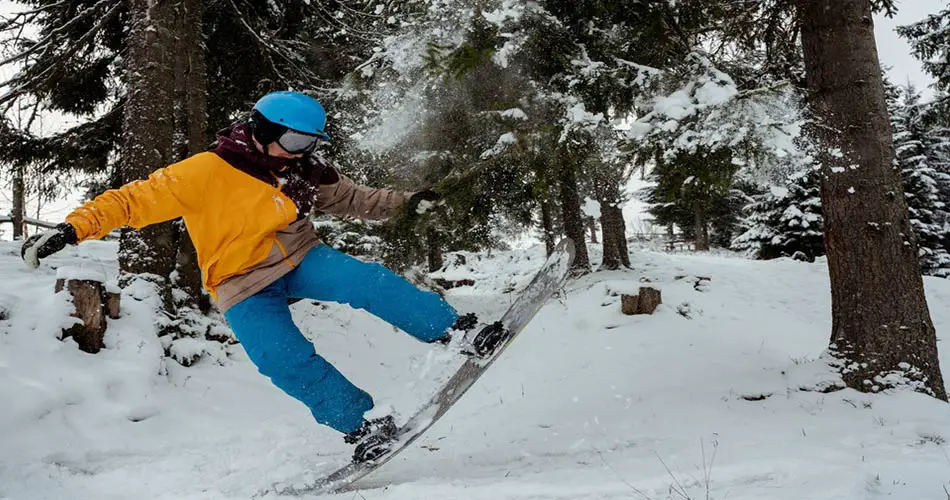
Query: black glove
{"type": "Point", "coordinates": [416, 205]}
{"type": "Point", "coordinates": [42, 245]}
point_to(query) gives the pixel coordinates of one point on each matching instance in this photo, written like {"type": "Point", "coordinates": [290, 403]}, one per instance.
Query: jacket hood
{"type": "Point", "coordinates": [236, 142]}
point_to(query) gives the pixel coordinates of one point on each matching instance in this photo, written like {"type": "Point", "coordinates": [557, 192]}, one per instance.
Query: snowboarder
{"type": "Point", "coordinates": [245, 204]}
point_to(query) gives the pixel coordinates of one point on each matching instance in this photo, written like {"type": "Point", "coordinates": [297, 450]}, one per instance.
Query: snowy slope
{"type": "Point", "coordinates": [587, 403]}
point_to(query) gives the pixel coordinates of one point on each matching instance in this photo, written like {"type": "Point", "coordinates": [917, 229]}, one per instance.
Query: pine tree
{"type": "Point", "coordinates": [487, 138]}
{"type": "Point", "coordinates": [605, 173]}
{"type": "Point", "coordinates": [727, 220]}
{"type": "Point", "coordinates": [930, 42]}
{"type": "Point", "coordinates": [872, 257]}
{"type": "Point", "coordinates": [690, 192]}
{"type": "Point", "coordinates": [915, 155]}
{"type": "Point", "coordinates": [935, 118]}
{"type": "Point", "coordinates": [567, 68]}
{"type": "Point", "coordinates": [785, 221]}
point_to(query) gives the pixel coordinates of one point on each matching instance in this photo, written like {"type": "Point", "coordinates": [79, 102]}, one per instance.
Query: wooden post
{"type": "Point", "coordinates": [644, 303]}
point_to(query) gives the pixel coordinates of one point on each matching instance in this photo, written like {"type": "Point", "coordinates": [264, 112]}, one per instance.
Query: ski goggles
{"type": "Point", "coordinates": [295, 142]}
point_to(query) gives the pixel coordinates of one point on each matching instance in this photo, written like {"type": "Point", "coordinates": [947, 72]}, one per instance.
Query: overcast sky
{"type": "Point", "coordinates": [893, 51]}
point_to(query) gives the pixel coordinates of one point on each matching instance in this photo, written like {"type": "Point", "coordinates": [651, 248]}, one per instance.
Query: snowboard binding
{"type": "Point", "coordinates": [373, 439]}
{"type": "Point", "coordinates": [489, 338]}
{"type": "Point", "coordinates": [463, 324]}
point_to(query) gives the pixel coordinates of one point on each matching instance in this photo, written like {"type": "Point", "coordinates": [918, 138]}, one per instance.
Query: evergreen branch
{"type": "Point", "coordinates": [671, 21]}
{"type": "Point", "coordinates": [17, 37]}
{"type": "Point", "coordinates": [365, 35]}
{"type": "Point", "coordinates": [28, 16]}
{"type": "Point", "coordinates": [745, 94]}
{"type": "Point", "coordinates": [282, 48]}
{"type": "Point", "coordinates": [55, 63]}
{"type": "Point", "coordinates": [267, 46]}
{"type": "Point", "coordinates": [372, 59]}
{"type": "Point", "coordinates": [45, 42]}
{"type": "Point", "coordinates": [40, 10]}
{"type": "Point", "coordinates": [358, 12]}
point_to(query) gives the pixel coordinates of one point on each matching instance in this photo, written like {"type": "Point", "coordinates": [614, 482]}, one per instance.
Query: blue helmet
{"type": "Point", "coordinates": [295, 111]}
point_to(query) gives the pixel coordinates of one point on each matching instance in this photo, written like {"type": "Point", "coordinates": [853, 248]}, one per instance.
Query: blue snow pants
{"type": "Point", "coordinates": [263, 325]}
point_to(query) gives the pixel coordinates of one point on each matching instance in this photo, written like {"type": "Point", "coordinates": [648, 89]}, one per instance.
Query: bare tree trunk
{"type": "Point", "coordinates": [616, 234]}
{"type": "Point", "coordinates": [189, 274]}
{"type": "Point", "coordinates": [622, 238]}
{"type": "Point", "coordinates": [573, 219]}
{"type": "Point", "coordinates": [434, 250]}
{"type": "Point", "coordinates": [547, 225]}
{"type": "Point", "coordinates": [592, 227]}
{"type": "Point", "coordinates": [881, 325]}
{"type": "Point", "coordinates": [18, 213]}
{"type": "Point", "coordinates": [192, 126]}
{"type": "Point", "coordinates": [19, 201]}
{"type": "Point", "coordinates": [705, 238]}
{"type": "Point", "coordinates": [609, 224]}
{"type": "Point", "coordinates": [192, 75]}
{"type": "Point", "coordinates": [700, 229]}
{"type": "Point", "coordinates": [148, 137]}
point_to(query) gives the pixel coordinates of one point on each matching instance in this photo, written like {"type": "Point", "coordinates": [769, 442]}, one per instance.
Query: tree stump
{"type": "Point", "coordinates": [113, 299]}
{"type": "Point", "coordinates": [93, 302]}
{"type": "Point", "coordinates": [644, 303]}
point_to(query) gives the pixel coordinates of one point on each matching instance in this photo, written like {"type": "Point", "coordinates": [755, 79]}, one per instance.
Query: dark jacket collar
{"type": "Point", "coordinates": [236, 146]}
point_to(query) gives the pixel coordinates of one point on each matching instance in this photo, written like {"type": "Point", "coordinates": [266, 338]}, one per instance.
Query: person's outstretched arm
{"type": "Point", "coordinates": [339, 195]}
{"type": "Point", "coordinates": [168, 193]}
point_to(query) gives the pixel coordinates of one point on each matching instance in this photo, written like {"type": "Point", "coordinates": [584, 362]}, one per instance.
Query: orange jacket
{"type": "Point", "coordinates": [232, 217]}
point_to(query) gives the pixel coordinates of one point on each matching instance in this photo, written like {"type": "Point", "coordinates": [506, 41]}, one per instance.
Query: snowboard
{"type": "Point", "coordinates": [547, 281]}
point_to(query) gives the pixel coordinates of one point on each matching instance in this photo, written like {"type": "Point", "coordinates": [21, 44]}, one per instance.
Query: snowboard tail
{"type": "Point", "coordinates": [545, 283]}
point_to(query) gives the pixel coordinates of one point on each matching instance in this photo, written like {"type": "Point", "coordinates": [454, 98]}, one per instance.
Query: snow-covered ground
{"type": "Point", "coordinates": [703, 399]}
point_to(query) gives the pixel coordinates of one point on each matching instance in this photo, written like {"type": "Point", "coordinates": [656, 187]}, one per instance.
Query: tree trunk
{"type": "Point", "coordinates": [614, 233]}
{"type": "Point", "coordinates": [881, 325]}
{"type": "Point", "coordinates": [705, 238]}
{"type": "Point", "coordinates": [148, 137]}
{"type": "Point", "coordinates": [547, 225]}
{"type": "Point", "coordinates": [573, 219]}
{"type": "Point", "coordinates": [18, 213]}
{"type": "Point", "coordinates": [592, 227]}
{"type": "Point", "coordinates": [700, 229]}
{"type": "Point", "coordinates": [434, 250]}
{"type": "Point", "coordinates": [192, 126]}
{"type": "Point", "coordinates": [609, 224]}
{"type": "Point", "coordinates": [188, 274]}
{"type": "Point", "coordinates": [19, 201]}
{"type": "Point", "coordinates": [622, 237]}
{"type": "Point", "coordinates": [191, 80]}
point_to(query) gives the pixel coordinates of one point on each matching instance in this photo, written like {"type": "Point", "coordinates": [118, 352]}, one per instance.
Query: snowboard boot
{"type": "Point", "coordinates": [489, 338]}
{"type": "Point", "coordinates": [373, 439]}
{"type": "Point", "coordinates": [464, 323]}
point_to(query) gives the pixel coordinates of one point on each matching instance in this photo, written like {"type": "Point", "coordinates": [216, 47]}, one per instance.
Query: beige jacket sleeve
{"type": "Point", "coordinates": [346, 197]}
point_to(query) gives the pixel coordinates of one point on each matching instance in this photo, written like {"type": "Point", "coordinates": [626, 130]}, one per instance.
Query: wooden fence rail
{"type": "Point", "coordinates": [28, 220]}
{"type": "Point", "coordinates": [46, 225]}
